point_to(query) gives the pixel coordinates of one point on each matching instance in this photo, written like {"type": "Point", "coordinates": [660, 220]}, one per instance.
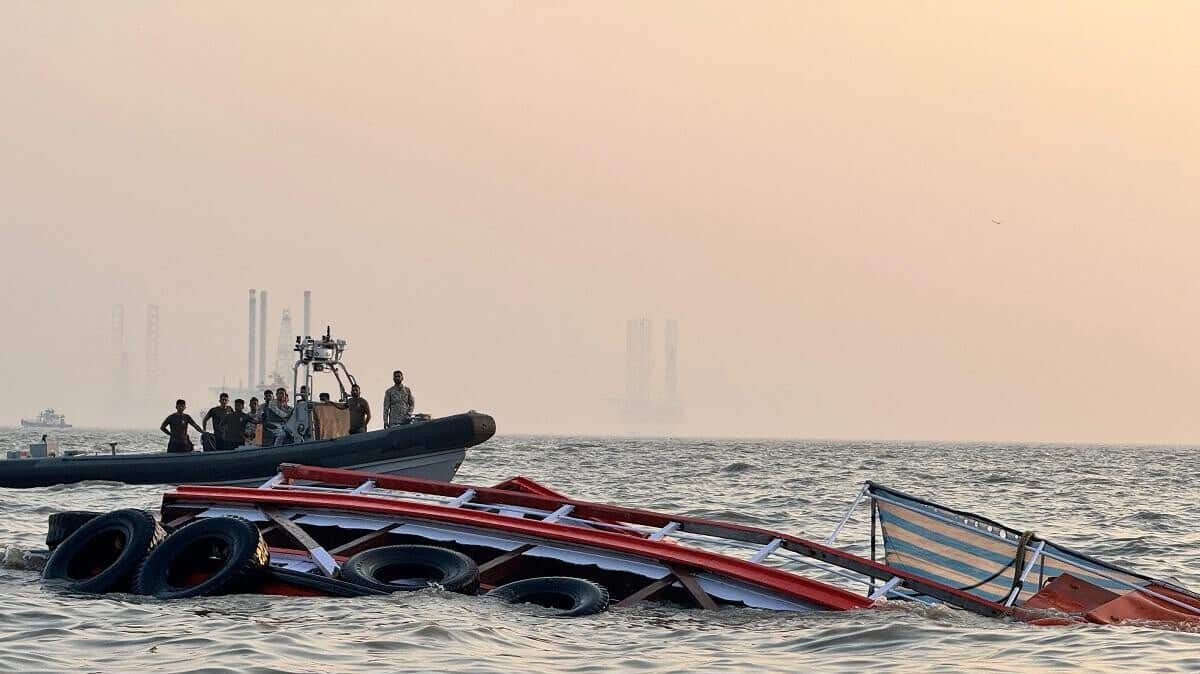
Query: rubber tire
{"type": "Point", "coordinates": [138, 532]}
{"type": "Point", "coordinates": [314, 581]}
{"type": "Point", "coordinates": [246, 556]}
{"type": "Point", "coordinates": [453, 571]}
{"type": "Point", "coordinates": [62, 525]}
{"type": "Point", "coordinates": [572, 596]}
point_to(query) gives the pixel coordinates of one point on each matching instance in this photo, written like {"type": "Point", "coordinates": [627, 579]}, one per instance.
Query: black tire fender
{"type": "Point", "coordinates": [216, 555]}
{"type": "Point", "coordinates": [330, 586]}
{"type": "Point", "coordinates": [566, 596]}
{"type": "Point", "coordinates": [61, 525]}
{"type": "Point", "coordinates": [400, 568]}
{"type": "Point", "coordinates": [104, 553]}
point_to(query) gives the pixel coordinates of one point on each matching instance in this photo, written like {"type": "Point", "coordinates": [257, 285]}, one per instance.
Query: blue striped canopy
{"type": "Point", "coordinates": [978, 555]}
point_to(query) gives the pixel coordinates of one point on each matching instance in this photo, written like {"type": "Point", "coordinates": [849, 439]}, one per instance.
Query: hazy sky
{"type": "Point", "coordinates": [895, 220]}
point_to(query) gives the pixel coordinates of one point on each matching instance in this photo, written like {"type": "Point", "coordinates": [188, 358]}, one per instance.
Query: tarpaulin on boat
{"type": "Point", "coordinates": [979, 555]}
{"type": "Point", "coordinates": [330, 422]}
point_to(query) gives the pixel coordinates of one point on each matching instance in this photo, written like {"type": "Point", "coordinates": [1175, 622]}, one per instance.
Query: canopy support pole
{"type": "Point", "coordinates": [885, 588]}
{"type": "Point", "coordinates": [766, 550]}
{"type": "Point", "coordinates": [874, 516]}
{"type": "Point", "coordinates": [461, 499]}
{"type": "Point", "coordinates": [1020, 584]}
{"type": "Point", "coordinates": [664, 532]}
{"type": "Point", "coordinates": [559, 514]}
{"type": "Point", "coordinates": [846, 518]}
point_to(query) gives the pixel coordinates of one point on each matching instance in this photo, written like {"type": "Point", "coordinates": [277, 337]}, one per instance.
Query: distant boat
{"type": "Point", "coordinates": [47, 419]}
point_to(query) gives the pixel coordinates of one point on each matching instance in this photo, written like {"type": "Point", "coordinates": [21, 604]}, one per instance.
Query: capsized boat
{"type": "Point", "coordinates": [519, 530]}
{"type": "Point", "coordinates": [319, 520]}
{"type": "Point", "coordinates": [314, 530]}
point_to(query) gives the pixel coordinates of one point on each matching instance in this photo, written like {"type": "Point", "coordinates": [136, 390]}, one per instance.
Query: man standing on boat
{"type": "Point", "coordinates": [268, 438]}
{"type": "Point", "coordinates": [277, 414]}
{"type": "Point", "coordinates": [253, 419]}
{"type": "Point", "coordinates": [178, 424]}
{"type": "Point", "coordinates": [360, 411]}
{"type": "Point", "coordinates": [217, 414]}
{"type": "Point", "coordinates": [397, 402]}
{"type": "Point", "coordinates": [233, 426]}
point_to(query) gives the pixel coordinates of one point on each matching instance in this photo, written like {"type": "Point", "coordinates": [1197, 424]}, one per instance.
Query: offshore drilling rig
{"type": "Point", "coordinates": [646, 410]}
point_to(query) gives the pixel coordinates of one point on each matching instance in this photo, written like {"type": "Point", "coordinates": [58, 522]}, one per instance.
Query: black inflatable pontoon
{"type": "Point", "coordinates": [430, 449]}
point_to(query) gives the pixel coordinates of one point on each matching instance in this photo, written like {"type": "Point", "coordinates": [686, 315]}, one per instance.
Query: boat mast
{"type": "Point", "coordinates": [320, 355]}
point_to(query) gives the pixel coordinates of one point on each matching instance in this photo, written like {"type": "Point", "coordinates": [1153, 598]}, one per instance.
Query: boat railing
{"type": "Point", "coordinates": [768, 548]}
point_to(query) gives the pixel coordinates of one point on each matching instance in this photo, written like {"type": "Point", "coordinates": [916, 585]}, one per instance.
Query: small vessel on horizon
{"type": "Point", "coordinates": [48, 418]}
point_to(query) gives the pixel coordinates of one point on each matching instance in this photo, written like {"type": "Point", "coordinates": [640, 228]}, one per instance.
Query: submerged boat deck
{"type": "Point", "coordinates": [314, 518]}
{"type": "Point", "coordinates": [504, 527]}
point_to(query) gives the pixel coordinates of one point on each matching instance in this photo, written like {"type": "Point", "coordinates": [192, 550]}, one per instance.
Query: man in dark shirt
{"type": "Point", "coordinates": [233, 426]}
{"type": "Point", "coordinates": [178, 424]}
{"type": "Point", "coordinates": [268, 438]}
{"type": "Point", "coordinates": [360, 411]}
{"type": "Point", "coordinates": [217, 414]}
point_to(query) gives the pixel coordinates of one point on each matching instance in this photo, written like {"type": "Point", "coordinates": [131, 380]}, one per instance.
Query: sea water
{"type": "Point", "coordinates": [1128, 504]}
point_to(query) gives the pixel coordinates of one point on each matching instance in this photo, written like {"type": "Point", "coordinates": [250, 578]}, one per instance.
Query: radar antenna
{"type": "Point", "coordinates": [321, 355]}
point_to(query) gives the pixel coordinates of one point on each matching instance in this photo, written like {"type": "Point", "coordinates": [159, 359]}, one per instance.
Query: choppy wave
{"type": "Point", "coordinates": [739, 467]}
{"type": "Point", "coordinates": [15, 557]}
{"type": "Point", "coordinates": [1098, 499]}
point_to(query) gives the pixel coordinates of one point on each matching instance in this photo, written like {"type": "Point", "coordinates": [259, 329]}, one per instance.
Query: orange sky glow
{"type": "Point", "coordinates": [875, 220]}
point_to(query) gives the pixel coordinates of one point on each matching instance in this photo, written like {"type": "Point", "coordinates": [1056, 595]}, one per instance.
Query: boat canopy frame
{"type": "Point", "coordinates": [1040, 549]}
{"type": "Point", "coordinates": [694, 550]}
{"type": "Point", "coordinates": [768, 552]}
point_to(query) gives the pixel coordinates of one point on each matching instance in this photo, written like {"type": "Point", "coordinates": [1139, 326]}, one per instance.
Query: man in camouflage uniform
{"type": "Point", "coordinates": [397, 402]}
